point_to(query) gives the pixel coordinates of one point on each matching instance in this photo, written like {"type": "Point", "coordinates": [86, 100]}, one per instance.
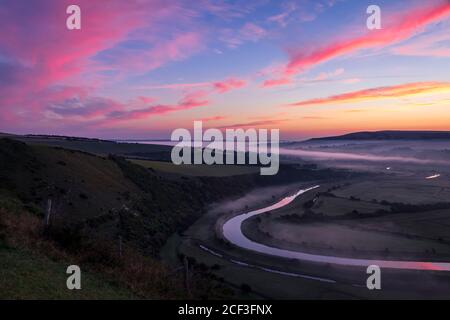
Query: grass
{"type": "Point", "coordinates": [400, 189]}
{"type": "Point", "coordinates": [89, 192]}
{"type": "Point", "coordinates": [24, 275]}
{"type": "Point", "coordinates": [349, 239]}
{"type": "Point", "coordinates": [33, 263]}
{"type": "Point", "coordinates": [199, 170]}
{"type": "Point", "coordinates": [333, 206]}
{"type": "Point", "coordinates": [100, 147]}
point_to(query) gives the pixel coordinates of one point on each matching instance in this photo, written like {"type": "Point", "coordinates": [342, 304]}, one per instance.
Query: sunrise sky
{"type": "Point", "coordinates": [139, 69]}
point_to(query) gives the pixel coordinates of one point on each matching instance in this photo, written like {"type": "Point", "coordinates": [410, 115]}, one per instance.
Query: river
{"type": "Point", "coordinates": [232, 231]}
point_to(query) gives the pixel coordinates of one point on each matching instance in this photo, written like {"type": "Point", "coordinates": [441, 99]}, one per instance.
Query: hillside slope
{"type": "Point", "coordinates": [46, 279]}
{"type": "Point", "coordinates": [98, 196]}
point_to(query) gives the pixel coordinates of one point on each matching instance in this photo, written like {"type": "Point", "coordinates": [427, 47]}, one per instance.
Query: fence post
{"type": "Point", "coordinates": [186, 267]}
{"type": "Point", "coordinates": [49, 211]}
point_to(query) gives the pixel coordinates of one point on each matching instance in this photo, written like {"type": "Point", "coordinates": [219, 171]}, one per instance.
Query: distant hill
{"type": "Point", "coordinates": [5, 135]}
{"type": "Point", "coordinates": [390, 135]}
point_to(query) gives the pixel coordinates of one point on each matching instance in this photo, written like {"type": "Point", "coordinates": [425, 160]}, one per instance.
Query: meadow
{"type": "Point", "coordinates": [201, 170]}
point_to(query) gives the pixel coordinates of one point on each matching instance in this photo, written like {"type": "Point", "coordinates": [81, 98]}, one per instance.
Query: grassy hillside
{"type": "Point", "coordinates": [98, 196]}
{"type": "Point", "coordinates": [34, 259]}
{"type": "Point", "coordinates": [100, 147]}
{"type": "Point", "coordinates": [25, 275]}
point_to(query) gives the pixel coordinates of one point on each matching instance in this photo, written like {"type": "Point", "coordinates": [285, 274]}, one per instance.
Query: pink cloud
{"type": "Point", "coordinates": [49, 73]}
{"type": "Point", "coordinates": [259, 123]}
{"type": "Point", "coordinates": [189, 101]}
{"type": "Point", "coordinates": [65, 52]}
{"type": "Point", "coordinates": [213, 118]}
{"type": "Point", "coordinates": [41, 53]}
{"type": "Point", "coordinates": [175, 86]}
{"type": "Point", "coordinates": [146, 99]}
{"type": "Point", "coordinates": [229, 84]}
{"type": "Point", "coordinates": [222, 86]}
{"type": "Point", "coordinates": [276, 82]}
{"type": "Point", "coordinates": [397, 91]}
{"type": "Point", "coordinates": [402, 27]}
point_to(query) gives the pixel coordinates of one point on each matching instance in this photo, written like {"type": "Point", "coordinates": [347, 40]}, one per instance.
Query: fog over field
{"type": "Point", "coordinates": [382, 155]}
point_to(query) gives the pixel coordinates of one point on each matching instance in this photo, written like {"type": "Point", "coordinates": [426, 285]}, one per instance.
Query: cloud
{"type": "Point", "coordinates": [401, 27]}
{"type": "Point", "coordinates": [258, 123]}
{"type": "Point", "coordinates": [276, 82]}
{"type": "Point", "coordinates": [221, 86]}
{"type": "Point", "coordinates": [304, 11]}
{"type": "Point", "coordinates": [249, 32]}
{"type": "Point", "coordinates": [398, 91]}
{"type": "Point", "coordinates": [189, 101]}
{"type": "Point", "coordinates": [213, 118]}
{"type": "Point", "coordinates": [41, 54]}
{"type": "Point", "coordinates": [229, 84]}
{"type": "Point", "coordinates": [283, 18]}
{"type": "Point", "coordinates": [321, 77]}
{"type": "Point", "coordinates": [350, 80]}
{"type": "Point", "coordinates": [279, 18]}
{"type": "Point", "coordinates": [314, 118]}
{"type": "Point", "coordinates": [65, 52]}
{"type": "Point", "coordinates": [76, 106]}
{"type": "Point", "coordinates": [146, 99]}
{"type": "Point", "coordinates": [174, 86]}
{"type": "Point", "coordinates": [90, 107]}
{"type": "Point", "coordinates": [327, 75]}
{"type": "Point", "coordinates": [154, 53]}
{"type": "Point", "coordinates": [436, 44]}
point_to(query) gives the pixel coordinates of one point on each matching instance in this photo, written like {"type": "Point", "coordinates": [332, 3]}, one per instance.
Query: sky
{"type": "Point", "coordinates": [140, 69]}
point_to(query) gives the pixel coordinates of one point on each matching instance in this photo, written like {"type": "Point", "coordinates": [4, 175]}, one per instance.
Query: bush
{"type": "Point", "coordinates": [83, 196]}
{"type": "Point", "coordinates": [246, 288]}
{"type": "Point", "coordinates": [68, 237]}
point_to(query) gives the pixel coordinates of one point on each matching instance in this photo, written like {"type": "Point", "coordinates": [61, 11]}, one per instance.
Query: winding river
{"type": "Point", "coordinates": [232, 231]}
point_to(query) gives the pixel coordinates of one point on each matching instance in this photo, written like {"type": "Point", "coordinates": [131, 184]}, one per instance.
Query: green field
{"type": "Point", "coordinates": [413, 190]}
{"type": "Point", "coordinates": [349, 239]}
{"type": "Point", "coordinates": [198, 169]}
{"type": "Point", "coordinates": [333, 206]}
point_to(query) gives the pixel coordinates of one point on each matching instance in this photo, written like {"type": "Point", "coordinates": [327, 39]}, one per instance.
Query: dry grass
{"type": "Point", "coordinates": [146, 277]}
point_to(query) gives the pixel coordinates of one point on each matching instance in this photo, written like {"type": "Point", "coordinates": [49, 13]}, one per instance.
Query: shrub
{"type": "Point", "coordinates": [246, 288]}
